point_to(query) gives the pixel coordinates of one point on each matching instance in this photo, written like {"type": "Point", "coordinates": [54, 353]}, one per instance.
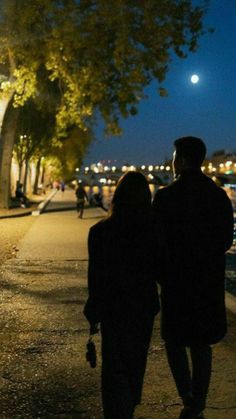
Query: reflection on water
{"type": "Point", "coordinates": [231, 192]}
{"type": "Point", "coordinates": [106, 192]}
{"type": "Point", "coordinates": [232, 195]}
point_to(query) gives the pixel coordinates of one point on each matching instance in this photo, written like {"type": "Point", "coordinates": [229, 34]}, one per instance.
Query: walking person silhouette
{"type": "Point", "coordinates": [123, 295]}
{"type": "Point", "coordinates": [81, 195]}
{"type": "Point", "coordinates": [194, 219]}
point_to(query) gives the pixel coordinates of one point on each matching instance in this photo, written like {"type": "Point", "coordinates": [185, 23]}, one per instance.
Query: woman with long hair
{"type": "Point", "coordinates": [123, 296]}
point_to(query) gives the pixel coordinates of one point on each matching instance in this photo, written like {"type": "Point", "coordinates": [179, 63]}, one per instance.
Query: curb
{"type": "Point", "coordinates": [23, 214]}
{"type": "Point", "coordinates": [43, 204]}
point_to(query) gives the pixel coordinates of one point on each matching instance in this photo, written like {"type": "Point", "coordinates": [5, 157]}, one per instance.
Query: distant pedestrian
{"type": "Point", "coordinates": [81, 195]}
{"type": "Point", "coordinates": [62, 186]}
{"type": "Point", "coordinates": [195, 219]}
{"type": "Point", "coordinates": [19, 194]}
{"type": "Point", "coordinates": [122, 294]}
{"type": "Point", "coordinates": [98, 201]}
{"type": "Point", "coordinates": [56, 185]}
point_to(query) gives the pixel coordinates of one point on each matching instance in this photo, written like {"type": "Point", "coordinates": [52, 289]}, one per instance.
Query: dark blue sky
{"type": "Point", "coordinates": [207, 109]}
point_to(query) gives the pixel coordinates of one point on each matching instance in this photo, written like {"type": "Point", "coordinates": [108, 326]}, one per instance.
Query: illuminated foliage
{"type": "Point", "coordinates": [35, 140]}
{"type": "Point", "coordinates": [97, 54]}
{"type": "Point", "coordinates": [85, 60]}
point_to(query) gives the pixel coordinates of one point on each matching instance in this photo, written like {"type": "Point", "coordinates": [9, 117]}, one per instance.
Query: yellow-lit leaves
{"type": "Point", "coordinates": [24, 85]}
{"type": "Point", "coordinates": [99, 55]}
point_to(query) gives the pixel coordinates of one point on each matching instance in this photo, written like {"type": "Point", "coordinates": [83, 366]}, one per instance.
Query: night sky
{"type": "Point", "coordinates": [206, 109]}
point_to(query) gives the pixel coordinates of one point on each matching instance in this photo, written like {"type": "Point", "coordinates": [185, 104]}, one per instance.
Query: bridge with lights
{"type": "Point", "coordinates": [222, 172]}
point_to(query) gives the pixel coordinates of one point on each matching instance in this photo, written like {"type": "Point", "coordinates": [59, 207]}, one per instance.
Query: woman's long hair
{"type": "Point", "coordinates": [132, 196]}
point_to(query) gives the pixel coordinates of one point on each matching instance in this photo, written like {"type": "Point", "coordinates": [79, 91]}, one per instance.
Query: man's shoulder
{"type": "Point", "coordinates": [101, 226]}
{"type": "Point", "coordinates": [166, 191]}
{"type": "Point", "coordinates": [217, 190]}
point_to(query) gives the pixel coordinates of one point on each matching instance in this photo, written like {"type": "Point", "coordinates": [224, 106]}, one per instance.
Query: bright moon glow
{"type": "Point", "coordinates": [194, 78]}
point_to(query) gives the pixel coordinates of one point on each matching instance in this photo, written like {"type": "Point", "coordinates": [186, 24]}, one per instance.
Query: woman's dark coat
{"type": "Point", "coordinates": [194, 219]}
{"type": "Point", "coordinates": [123, 298]}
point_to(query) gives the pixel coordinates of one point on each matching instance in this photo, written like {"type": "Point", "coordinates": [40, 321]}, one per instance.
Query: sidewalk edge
{"type": "Point", "coordinates": [42, 206]}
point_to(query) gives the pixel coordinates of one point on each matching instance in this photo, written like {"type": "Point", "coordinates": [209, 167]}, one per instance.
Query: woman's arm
{"type": "Point", "coordinates": [93, 306]}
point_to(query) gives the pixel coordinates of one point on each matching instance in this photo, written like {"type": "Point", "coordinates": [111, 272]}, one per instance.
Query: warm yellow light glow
{"type": "Point", "coordinates": [143, 167]}
{"type": "Point", "coordinates": [162, 167]}
{"type": "Point", "coordinates": [168, 168]}
{"type": "Point", "coordinates": [124, 168]}
{"type": "Point", "coordinates": [113, 168]}
{"type": "Point", "coordinates": [228, 163]}
{"type": "Point", "coordinates": [221, 165]}
{"type": "Point", "coordinates": [203, 168]}
{"type": "Point", "coordinates": [150, 168]}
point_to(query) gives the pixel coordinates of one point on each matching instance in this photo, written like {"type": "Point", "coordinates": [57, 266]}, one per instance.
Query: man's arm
{"type": "Point", "coordinates": [226, 221]}
{"type": "Point", "coordinates": [92, 310]}
{"type": "Point", "coordinates": [160, 250]}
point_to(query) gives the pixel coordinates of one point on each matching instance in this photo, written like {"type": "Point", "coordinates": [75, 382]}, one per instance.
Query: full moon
{"type": "Point", "coordinates": [194, 78]}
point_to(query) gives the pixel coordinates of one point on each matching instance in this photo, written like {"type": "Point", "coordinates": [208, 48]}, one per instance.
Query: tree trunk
{"type": "Point", "coordinates": [26, 176]}
{"type": "Point", "coordinates": [43, 175]}
{"type": "Point", "coordinates": [20, 171]}
{"type": "Point", "coordinates": [36, 181]}
{"type": "Point", "coordinates": [8, 131]}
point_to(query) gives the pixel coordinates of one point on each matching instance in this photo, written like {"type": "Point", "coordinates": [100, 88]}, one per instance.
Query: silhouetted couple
{"type": "Point", "coordinates": [180, 242]}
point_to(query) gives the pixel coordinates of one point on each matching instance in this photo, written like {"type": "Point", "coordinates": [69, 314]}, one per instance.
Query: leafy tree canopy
{"type": "Point", "coordinates": [34, 139]}
{"type": "Point", "coordinates": [82, 58]}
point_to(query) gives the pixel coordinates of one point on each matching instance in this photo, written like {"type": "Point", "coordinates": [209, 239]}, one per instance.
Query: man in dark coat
{"type": "Point", "coordinates": [194, 219]}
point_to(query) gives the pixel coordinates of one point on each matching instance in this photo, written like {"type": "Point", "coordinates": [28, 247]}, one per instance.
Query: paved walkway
{"type": "Point", "coordinates": [43, 333]}
{"type": "Point", "coordinates": [58, 234]}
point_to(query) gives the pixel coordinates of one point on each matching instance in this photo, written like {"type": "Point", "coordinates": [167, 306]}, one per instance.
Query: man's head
{"type": "Point", "coordinates": [189, 154]}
